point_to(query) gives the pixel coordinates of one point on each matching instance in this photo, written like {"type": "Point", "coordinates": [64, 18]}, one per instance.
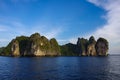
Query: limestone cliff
{"type": "Point", "coordinates": [102, 47]}
{"type": "Point", "coordinates": [15, 48]}
{"type": "Point", "coordinates": [86, 47]}
{"type": "Point", "coordinates": [55, 49]}
{"type": "Point", "coordinates": [35, 45]}
{"type": "Point", "coordinates": [82, 46]}
{"type": "Point", "coordinates": [91, 51]}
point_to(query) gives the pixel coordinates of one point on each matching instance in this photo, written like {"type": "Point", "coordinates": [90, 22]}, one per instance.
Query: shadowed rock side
{"type": "Point", "coordinates": [102, 47]}
{"type": "Point", "coordinates": [35, 45]}
{"type": "Point", "coordinates": [82, 46]}
{"type": "Point", "coordinates": [86, 47]}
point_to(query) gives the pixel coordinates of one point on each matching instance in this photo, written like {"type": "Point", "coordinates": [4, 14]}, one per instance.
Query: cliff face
{"type": "Point", "coordinates": [102, 47]}
{"type": "Point", "coordinates": [82, 46]}
{"type": "Point", "coordinates": [35, 45]}
{"type": "Point", "coordinates": [86, 47]}
{"type": "Point", "coordinates": [91, 51]}
{"type": "Point", "coordinates": [15, 48]}
{"type": "Point", "coordinates": [55, 49]}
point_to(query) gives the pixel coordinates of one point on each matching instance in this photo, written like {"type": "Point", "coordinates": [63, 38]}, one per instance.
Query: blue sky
{"type": "Point", "coordinates": [65, 20]}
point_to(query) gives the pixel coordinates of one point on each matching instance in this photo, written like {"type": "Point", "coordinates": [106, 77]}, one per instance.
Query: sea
{"type": "Point", "coordinates": [60, 68]}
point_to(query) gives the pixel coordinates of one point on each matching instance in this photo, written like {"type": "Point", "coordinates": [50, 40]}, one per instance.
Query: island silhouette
{"type": "Point", "coordinates": [37, 45]}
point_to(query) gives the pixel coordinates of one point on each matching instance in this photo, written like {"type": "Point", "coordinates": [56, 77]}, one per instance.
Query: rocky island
{"type": "Point", "coordinates": [37, 45]}
{"type": "Point", "coordinates": [85, 47]}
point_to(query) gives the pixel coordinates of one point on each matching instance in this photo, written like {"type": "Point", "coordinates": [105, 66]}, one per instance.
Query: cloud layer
{"type": "Point", "coordinates": [111, 30]}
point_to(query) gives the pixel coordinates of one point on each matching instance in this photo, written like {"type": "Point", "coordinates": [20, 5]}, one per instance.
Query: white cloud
{"type": "Point", "coordinates": [111, 30]}
{"type": "Point", "coordinates": [53, 33]}
{"type": "Point", "coordinates": [73, 40]}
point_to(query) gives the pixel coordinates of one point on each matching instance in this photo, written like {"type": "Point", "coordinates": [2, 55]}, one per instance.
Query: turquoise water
{"type": "Point", "coordinates": [60, 68]}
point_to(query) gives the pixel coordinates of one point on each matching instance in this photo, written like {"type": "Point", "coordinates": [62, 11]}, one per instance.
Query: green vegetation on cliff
{"type": "Point", "coordinates": [37, 45]}
{"type": "Point", "coordinates": [23, 41]}
{"type": "Point", "coordinates": [68, 50]}
{"type": "Point", "coordinates": [91, 40]}
{"type": "Point", "coordinates": [1, 50]}
{"type": "Point", "coordinates": [86, 47]}
{"type": "Point", "coordinates": [82, 46]}
{"type": "Point", "coordinates": [7, 50]}
{"type": "Point", "coordinates": [54, 46]}
{"type": "Point", "coordinates": [104, 41]}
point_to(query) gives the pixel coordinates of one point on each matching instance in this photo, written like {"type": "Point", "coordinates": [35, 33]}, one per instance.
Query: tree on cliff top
{"type": "Point", "coordinates": [92, 40]}
{"type": "Point", "coordinates": [54, 46]}
{"type": "Point", "coordinates": [82, 45]}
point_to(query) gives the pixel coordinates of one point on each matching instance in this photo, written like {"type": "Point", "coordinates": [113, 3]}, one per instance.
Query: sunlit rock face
{"type": "Point", "coordinates": [35, 45]}
{"type": "Point", "coordinates": [35, 50]}
{"type": "Point", "coordinates": [102, 47]}
{"type": "Point", "coordinates": [91, 51]}
{"type": "Point", "coordinates": [15, 48]}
